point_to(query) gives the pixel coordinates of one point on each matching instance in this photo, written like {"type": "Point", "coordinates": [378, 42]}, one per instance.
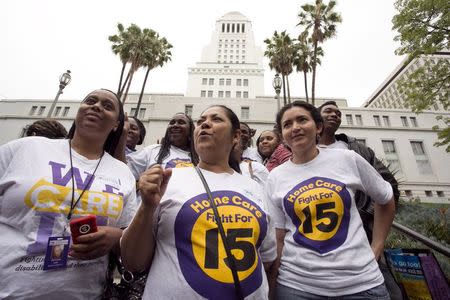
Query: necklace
{"type": "Point", "coordinates": [73, 205]}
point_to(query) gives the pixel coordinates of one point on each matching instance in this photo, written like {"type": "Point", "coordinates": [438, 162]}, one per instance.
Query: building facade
{"type": "Point", "coordinates": [399, 137]}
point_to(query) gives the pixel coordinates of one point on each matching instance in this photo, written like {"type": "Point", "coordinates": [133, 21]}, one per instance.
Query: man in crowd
{"type": "Point", "coordinates": [331, 116]}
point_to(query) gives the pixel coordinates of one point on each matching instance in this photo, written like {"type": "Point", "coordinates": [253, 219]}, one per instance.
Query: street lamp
{"type": "Point", "coordinates": [276, 83]}
{"type": "Point", "coordinates": [64, 80]}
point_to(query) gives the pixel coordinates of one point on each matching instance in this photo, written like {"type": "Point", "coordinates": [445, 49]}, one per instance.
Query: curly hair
{"type": "Point", "coordinates": [49, 128]}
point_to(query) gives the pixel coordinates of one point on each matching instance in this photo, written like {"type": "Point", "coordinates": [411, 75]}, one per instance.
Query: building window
{"type": "Point", "coordinates": [391, 156]}
{"type": "Point", "coordinates": [228, 81]}
{"type": "Point", "coordinates": [245, 112]}
{"type": "Point", "coordinates": [142, 113]}
{"type": "Point", "coordinates": [221, 81]}
{"type": "Point", "coordinates": [57, 111]}
{"type": "Point", "coordinates": [238, 94]}
{"type": "Point", "coordinates": [245, 94]}
{"type": "Point", "coordinates": [440, 193]}
{"type": "Point", "coordinates": [349, 119]}
{"type": "Point", "coordinates": [429, 193]}
{"type": "Point", "coordinates": [358, 120]}
{"type": "Point", "coordinates": [66, 111]}
{"type": "Point", "coordinates": [413, 121]}
{"type": "Point", "coordinates": [386, 121]}
{"type": "Point", "coordinates": [228, 27]}
{"type": "Point", "coordinates": [203, 94]}
{"type": "Point", "coordinates": [423, 163]}
{"type": "Point", "coordinates": [227, 94]}
{"type": "Point", "coordinates": [245, 80]}
{"type": "Point", "coordinates": [408, 193]}
{"type": "Point", "coordinates": [210, 94]}
{"type": "Point", "coordinates": [188, 109]}
{"type": "Point", "coordinates": [404, 121]}
{"type": "Point", "coordinates": [220, 94]}
{"type": "Point", "coordinates": [33, 110]}
{"type": "Point", "coordinates": [361, 141]}
{"type": "Point", "coordinates": [211, 81]}
{"type": "Point", "coordinates": [204, 81]}
{"type": "Point", "coordinates": [377, 120]}
{"type": "Point", "coordinates": [223, 27]}
{"type": "Point", "coordinates": [238, 82]}
{"type": "Point", "coordinates": [132, 111]}
{"type": "Point", "coordinates": [243, 29]}
{"type": "Point", "coordinates": [41, 110]}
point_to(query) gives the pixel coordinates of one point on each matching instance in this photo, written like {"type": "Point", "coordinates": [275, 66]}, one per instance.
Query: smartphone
{"type": "Point", "coordinates": [82, 226]}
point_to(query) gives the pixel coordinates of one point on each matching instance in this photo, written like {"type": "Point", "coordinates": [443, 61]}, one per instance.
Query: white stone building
{"type": "Point", "coordinates": [231, 64]}
{"type": "Point", "coordinates": [397, 135]}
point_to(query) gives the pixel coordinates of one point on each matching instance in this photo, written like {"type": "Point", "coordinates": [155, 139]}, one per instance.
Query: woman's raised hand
{"type": "Point", "coordinates": [153, 184]}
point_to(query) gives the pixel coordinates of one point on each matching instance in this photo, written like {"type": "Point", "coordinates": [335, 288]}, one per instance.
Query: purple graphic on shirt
{"type": "Point", "coordinates": [178, 163]}
{"type": "Point", "coordinates": [319, 208]}
{"type": "Point", "coordinates": [199, 245]}
{"type": "Point", "coordinates": [46, 220]}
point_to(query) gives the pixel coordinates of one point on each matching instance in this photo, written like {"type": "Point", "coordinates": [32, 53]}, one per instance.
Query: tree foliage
{"type": "Point", "coordinates": [303, 58]}
{"type": "Point", "coordinates": [319, 22]}
{"type": "Point", "coordinates": [423, 30]}
{"type": "Point", "coordinates": [138, 48]}
{"type": "Point", "coordinates": [280, 50]}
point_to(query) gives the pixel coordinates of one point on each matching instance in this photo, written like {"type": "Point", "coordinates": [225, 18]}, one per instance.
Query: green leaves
{"type": "Point", "coordinates": [319, 24]}
{"type": "Point", "coordinates": [139, 48]}
{"type": "Point", "coordinates": [422, 26]}
{"type": "Point", "coordinates": [423, 31]}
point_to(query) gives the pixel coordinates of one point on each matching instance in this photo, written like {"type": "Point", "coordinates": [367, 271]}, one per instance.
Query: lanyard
{"type": "Point", "coordinates": [73, 205]}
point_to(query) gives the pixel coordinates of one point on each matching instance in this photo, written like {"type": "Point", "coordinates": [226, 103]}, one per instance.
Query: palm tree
{"type": "Point", "coordinates": [320, 22]}
{"type": "Point", "coordinates": [157, 54]}
{"type": "Point", "coordinates": [139, 44]}
{"type": "Point", "coordinates": [303, 57]}
{"type": "Point", "coordinates": [121, 47]}
{"type": "Point", "coordinates": [280, 51]}
{"type": "Point", "coordinates": [130, 45]}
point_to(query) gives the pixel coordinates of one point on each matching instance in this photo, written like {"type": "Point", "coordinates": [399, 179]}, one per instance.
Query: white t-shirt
{"type": "Point", "coordinates": [141, 160]}
{"type": "Point", "coordinates": [326, 251]}
{"type": "Point", "coordinates": [35, 196]}
{"type": "Point", "coordinates": [252, 154]}
{"type": "Point", "coordinates": [335, 145]}
{"type": "Point", "coordinates": [259, 171]}
{"type": "Point", "coordinates": [189, 260]}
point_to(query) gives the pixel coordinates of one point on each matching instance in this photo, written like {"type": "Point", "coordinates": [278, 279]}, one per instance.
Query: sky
{"type": "Point", "coordinates": [42, 39]}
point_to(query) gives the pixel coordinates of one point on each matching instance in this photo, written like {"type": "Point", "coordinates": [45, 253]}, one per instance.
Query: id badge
{"type": "Point", "coordinates": [57, 252]}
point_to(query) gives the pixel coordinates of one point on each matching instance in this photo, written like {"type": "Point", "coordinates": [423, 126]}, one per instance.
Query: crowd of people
{"type": "Point", "coordinates": [303, 215]}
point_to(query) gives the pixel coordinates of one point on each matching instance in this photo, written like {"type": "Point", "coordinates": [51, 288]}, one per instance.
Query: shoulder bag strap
{"type": "Point", "coordinates": [231, 259]}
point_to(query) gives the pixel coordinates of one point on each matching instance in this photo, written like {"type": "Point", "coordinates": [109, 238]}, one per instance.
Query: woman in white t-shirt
{"type": "Point", "coordinates": [175, 231]}
{"type": "Point", "coordinates": [135, 136]}
{"type": "Point", "coordinates": [322, 248]}
{"type": "Point", "coordinates": [250, 168]}
{"type": "Point", "coordinates": [175, 151]}
{"type": "Point", "coordinates": [45, 183]}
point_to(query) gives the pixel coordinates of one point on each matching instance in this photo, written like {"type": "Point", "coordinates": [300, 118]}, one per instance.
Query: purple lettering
{"type": "Point", "coordinates": [112, 190]}
{"type": "Point", "coordinates": [61, 180]}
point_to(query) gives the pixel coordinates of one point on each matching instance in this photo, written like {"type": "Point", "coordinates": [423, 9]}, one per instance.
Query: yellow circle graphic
{"type": "Point", "coordinates": [242, 230]}
{"type": "Point", "coordinates": [320, 211]}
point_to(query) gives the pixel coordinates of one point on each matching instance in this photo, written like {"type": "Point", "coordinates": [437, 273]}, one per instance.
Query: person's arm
{"type": "Point", "coordinates": [384, 205]}
{"type": "Point", "coordinates": [383, 218]}
{"type": "Point", "coordinates": [138, 242]}
{"type": "Point", "coordinates": [273, 273]}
